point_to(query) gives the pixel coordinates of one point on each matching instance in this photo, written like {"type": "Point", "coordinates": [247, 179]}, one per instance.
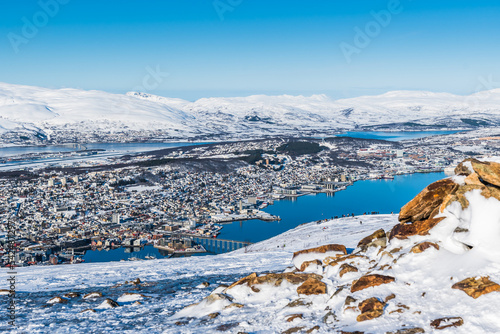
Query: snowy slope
{"type": "Point", "coordinates": [79, 110]}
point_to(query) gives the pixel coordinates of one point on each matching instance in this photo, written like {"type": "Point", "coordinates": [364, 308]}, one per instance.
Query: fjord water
{"type": "Point", "coordinates": [382, 196]}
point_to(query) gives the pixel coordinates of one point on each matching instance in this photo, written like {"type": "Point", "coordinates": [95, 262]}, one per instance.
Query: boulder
{"type": "Point", "coordinates": [323, 249]}
{"type": "Point", "coordinates": [347, 268]}
{"type": "Point", "coordinates": [92, 295]}
{"type": "Point", "coordinates": [109, 303]}
{"type": "Point", "coordinates": [370, 309]}
{"type": "Point", "coordinates": [421, 227]}
{"type": "Point", "coordinates": [306, 264]}
{"type": "Point", "coordinates": [57, 300]}
{"type": "Point", "coordinates": [318, 253]}
{"type": "Point", "coordinates": [487, 171]}
{"type": "Point", "coordinates": [476, 287]}
{"type": "Point", "coordinates": [463, 167]}
{"type": "Point", "coordinates": [376, 239]}
{"type": "Point", "coordinates": [427, 201]}
{"type": "Point", "coordinates": [274, 279]}
{"type": "Point", "coordinates": [312, 286]}
{"type": "Point", "coordinates": [473, 179]}
{"type": "Point", "coordinates": [292, 317]}
{"type": "Point", "coordinates": [419, 248]}
{"type": "Point", "coordinates": [443, 323]}
{"type": "Point", "coordinates": [88, 310]}
{"type": "Point", "coordinates": [72, 295]}
{"type": "Point", "coordinates": [334, 262]}
{"type": "Point", "coordinates": [369, 281]}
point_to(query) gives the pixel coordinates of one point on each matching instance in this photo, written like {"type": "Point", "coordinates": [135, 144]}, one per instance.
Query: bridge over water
{"type": "Point", "coordinates": [218, 246]}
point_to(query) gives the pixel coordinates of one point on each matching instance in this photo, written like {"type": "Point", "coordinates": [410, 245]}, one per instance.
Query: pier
{"type": "Point", "coordinates": [218, 246]}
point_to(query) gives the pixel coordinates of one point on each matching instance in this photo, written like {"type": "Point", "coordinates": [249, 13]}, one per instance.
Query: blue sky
{"type": "Point", "coordinates": [243, 47]}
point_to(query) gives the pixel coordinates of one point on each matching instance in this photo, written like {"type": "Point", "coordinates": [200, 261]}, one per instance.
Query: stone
{"type": "Point", "coordinates": [349, 300]}
{"type": "Point", "coordinates": [274, 279]}
{"type": "Point", "coordinates": [92, 295]}
{"type": "Point", "coordinates": [88, 310]}
{"type": "Point", "coordinates": [421, 207]}
{"type": "Point", "coordinates": [473, 179]}
{"type": "Point", "coordinates": [443, 323]}
{"type": "Point", "coordinates": [312, 286]}
{"type": "Point", "coordinates": [415, 330]}
{"type": "Point", "coordinates": [347, 268]}
{"type": "Point", "coordinates": [292, 317]}
{"type": "Point", "coordinates": [217, 296]}
{"type": "Point", "coordinates": [370, 309]}
{"type": "Point", "coordinates": [487, 171]}
{"type": "Point", "coordinates": [213, 315]}
{"type": "Point", "coordinates": [57, 300]}
{"type": "Point", "coordinates": [476, 287]}
{"type": "Point", "coordinates": [422, 227]}
{"type": "Point", "coordinates": [462, 169]}
{"type": "Point", "coordinates": [322, 249]}
{"type": "Point", "coordinates": [227, 327]}
{"type": "Point", "coordinates": [333, 262]}
{"type": "Point", "coordinates": [298, 302]}
{"type": "Point", "coordinates": [137, 281]}
{"type": "Point", "coordinates": [237, 305]}
{"type": "Point", "coordinates": [306, 264]}
{"type": "Point", "coordinates": [369, 281]}
{"type": "Point", "coordinates": [390, 297]}
{"type": "Point", "coordinates": [204, 285]}
{"type": "Point", "coordinates": [110, 302]}
{"type": "Point", "coordinates": [293, 330]}
{"type": "Point", "coordinates": [72, 295]}
{"type": "Point", "coordinates": [311, 330]}
{"type": "Point", "coordinates": [376, 239]}
{"type": "Point", "coordinates": [419, 248]}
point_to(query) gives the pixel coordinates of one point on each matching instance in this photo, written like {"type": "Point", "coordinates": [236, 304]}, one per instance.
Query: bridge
{"type": "Point", "coordinates": [218, 246]}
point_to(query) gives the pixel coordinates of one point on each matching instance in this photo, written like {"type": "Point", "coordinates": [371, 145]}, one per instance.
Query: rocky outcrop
{"type": "Point", "coordinates": [57, 300]}
{"type": "Point", "coordinates": [476, 287]}
{"type": "Point", "coordinates": [443, 323]}
{"type": "Point", "coordinates": [419, 248]}
{"type": "Point", "coordinates": [368, 281]}
{"type": "Point", "coordinates": [487, 171]}
{"type": "Point", "coordinates": [322, 249]}
{"type": "Point", "coordinates": [306, 264]}
{"type": "Point", "coordinates": [347, 268]}
{"type": "Point", "coordinates": [422, 227]}
{"type": "Point", "coordinates": [370, 309]}
{"type": "Point", "coordinates": [376, 239]}
{"type": "Point", "coordinates": [426, 202]}
{"type": "Point", "coordinates": [312, 286]}
{"type": "Point", "coordinates": [274, 279]}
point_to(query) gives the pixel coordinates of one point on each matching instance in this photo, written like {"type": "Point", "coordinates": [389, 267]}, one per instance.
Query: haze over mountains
{"type": "Point", "coordinates": [46, 112]}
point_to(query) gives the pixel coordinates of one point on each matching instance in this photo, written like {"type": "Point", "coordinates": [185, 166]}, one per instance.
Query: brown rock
{"type": "Point", "coordinates": [421, 207]}
{"type": "Point", "coordinates": [88, 310]}
{"type": "Point", "coordinates": [477, 287]}
{"type": "Point", "coordinates": [57, 300]}
{"type": "Point", "coordinates": [376, 239]}
{"type": "Point", "coordinates": [323, 249]}
{"type": "Point", "coordinates": [298, 302]}
{"type": "Point", "coordinates": [274, 279]}
{"type": "Point", "coordinates": [293, 317]}
{"type": "Point", "coordinates": [311, 330]}
{"type": "Point", "coordinates": [213, 315]}
{"type": "Point", "coordinates": [443, 323]}
{"type": "Point", "coordinates": [349, 300]}
{"type": "Point", "coordinates": [334, 262]}
{"type": "Point", "coordinates": [237, 305]}
{"type": "Point", "coordinates": [111, 303]}
{"type": "Point", "coordinates": [461, 169]}
{"type": "Point", "coordinates": [72, 294]}
{"type": "Point", "coordinates": [293, 330]}
{"type": "Point", "coordinates": [419, 248]}
{"type": "Point", "coordinates": [390, 297]}
{"type": "Point", "coordinates": [369, 281]}
{"type": "Point", "coordinates": [227, 327]}
{"type": "Point", "coordinates": [93, 295]}
{"type": "Point", "coordinates": [347, 268]}
{"type": "Point", "coordinates": [403, 231]}
{"type": "Point", "coordinates": [415, 330]}
{"type": "Point", "coordinates": [370, 309]}
{"type": "Point", "coordinates": [473, 179]}
{"type": "Point", "coordinates": [308, 263]}
{"type": "Point", "coordinates": [312, 286]}
{"type": "Point", "coordinates": [487, 171]}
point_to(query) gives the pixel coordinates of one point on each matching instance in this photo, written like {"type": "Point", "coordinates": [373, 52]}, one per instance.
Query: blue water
{"type": "Point", "coordinates": [383, 196]}
{"type": "Point", "coordinates": [122, 253]}
{"type": "Point", "coordinates": [394, 136]}
{"type": "Point", "coordinates": [120, 147]}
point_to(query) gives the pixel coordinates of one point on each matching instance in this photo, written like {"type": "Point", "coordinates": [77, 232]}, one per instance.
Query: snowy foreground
{"type": "Point", "coordinates": [176, 282]}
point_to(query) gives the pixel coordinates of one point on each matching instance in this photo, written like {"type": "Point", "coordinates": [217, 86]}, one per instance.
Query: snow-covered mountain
{"type": "Point", "coordinates": [72, 111]}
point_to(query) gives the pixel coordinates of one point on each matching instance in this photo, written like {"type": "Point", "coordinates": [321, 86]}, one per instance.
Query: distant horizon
{"type": "Point", "coordinates": [244, 94]}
